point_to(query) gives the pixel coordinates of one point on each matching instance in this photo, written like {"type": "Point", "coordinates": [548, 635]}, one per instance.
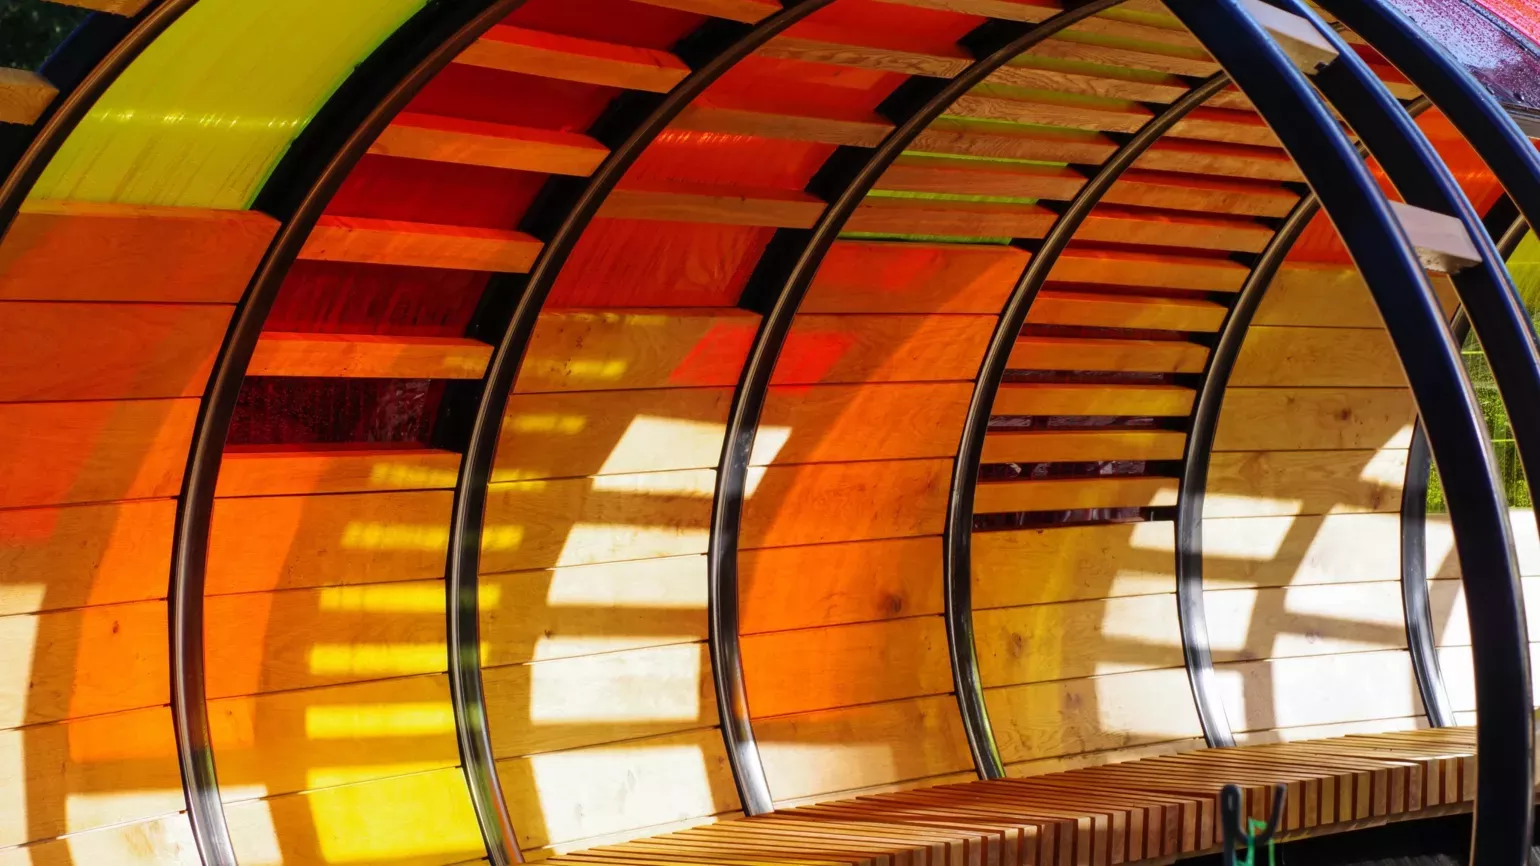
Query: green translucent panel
{"type": "Point", "coordinates": [203, 116]}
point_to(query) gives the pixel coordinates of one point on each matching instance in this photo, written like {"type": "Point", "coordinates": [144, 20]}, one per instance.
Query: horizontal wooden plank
{"type": "Point", "coordinates": [961, 135]}
{"type": "Point", "coordinates": [747, 11]}
{"type": "Point", "coordinates": [835, 423]}
{"type": "Point", "coordinates": [1310, 549]}
{"type": "Point", "coordinates": [84, 555]}
{"type": "Point", "coordinates": [825, 44]}
{"type": "Point", "coordinates": [1442, 561]}
{"type": "Point", "coordinates": [1206, 194]}
{"type": "Point", "coordinates": [1067, 76]}
{"type": "Point", "coordinates": [279, 470]}
{"type": "Point", "coordinates": [1255, 484]}
{"type": "Point", "coordinates": [1330, 296]}
{"type": "Point", "coordinates": [581, 610]}
{"type": "Point", "coordinates": [839, 666]}
{"type": "Point", "coordinates": [1318, 690]}
{"type": "Point", "coordinates": [24, 96]}
{"type": "Point", "coordinates": [1069, 494]}
{"type": "Point", "coordinates": [1090, 49]}
{"type": "Point", "coordinates": [841, 349]}
{"type": "Point", "coordinates": [786, 588]}
{"type": "Point", "coordinates": [369, 356]}
{"type": "Point", "coordinates": [265, 543]}
{"type": "Point", "coordinates": [698, 203]}
{"type": "Point", "coordinates": [1459, 676]}
{"type": "Point", "coordinates": [609, 350]}
{"type": "Point", "coordinates": [90, 251]}
{"type": "Point", "coordinates": [1317, 357]}
{"type": "Point", "coordinates": [1047, 446]}
{"type": "Point", "coordinates": [94, 451]}
{"type": "Point", "coordinates": [556, 435]}
{"type": "Point", "coordinates": [70, 351]}
{"type": "Point", "coordinates": [1035, 399]}
{"type": "Point", "coordinates": [421, 245]}
{"type": "Point", "coordinates": [1286, 622]}
{"type": "Point", "coordinates": [791, 123]}
{"type": "Point", "coordinates": [1072, 562]}
{"type": "Point", "coordinates": [1286, 419]}
{"type": "Point", "coordinates": [897, 277]}
{"type": "Point", "coordinates": [1451, 620]}
{"type": "Point", "coordinates": [1053, 307]}
{"type": "Point", "coordinates": [84, 662]}
{"type": "Point", "coordinates": [1122, 267]}
{"type": "Point", "coordinates": [440, 138]}
{"type": "Point", "coordinates": [163, 841]}
{"type": "Point", "coordinates": [1091, 353]}
{"type": "Point", "coordinates": [1077, 639]}
{"type": "Point", "coordinates": [825, 502]}
{"type": "Point", "coordinates": [569, 58]}
{"type": "Point", "coordinates": [1043, 720]}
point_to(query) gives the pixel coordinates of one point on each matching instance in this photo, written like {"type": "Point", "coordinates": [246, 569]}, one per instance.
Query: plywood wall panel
{"type": "Point", "coordinates": [883, 349]}
{"type": "Point", "coordinates": [902, 277]}
{"type": "Point", "coordinates": [817, 669]}
{"type": "Point", "coordinates": [606, 351]}
{"type": "Point", "coordinates": [1308, 620]}
{"type": "Point", "coordinates": [83, 662]}
{"type": "Point", "coordinates": [1307, 549]}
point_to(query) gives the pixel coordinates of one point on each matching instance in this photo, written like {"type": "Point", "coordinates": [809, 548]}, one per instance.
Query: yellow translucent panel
{"type": "Point", "coordinates": [204, 114]}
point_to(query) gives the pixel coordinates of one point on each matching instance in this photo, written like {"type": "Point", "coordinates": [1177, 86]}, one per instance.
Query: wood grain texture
{"type": "Point", "coordinates": [1317, 357]}
{"type": "Point", "coordinates": [57, 558]}
{"type": "Point", "coordinates": [1048, 446]}
{"type": "Point", "coordinates": [278, 471]}
{"type": "Point", "coordinates": [1124, 267]}
{"type": "Point", "coordinates": [94, 451]}
{"type": "Point", "coordinates": [421, 245]}
{"type": "Point", "coordinates": [1090, 353]}
{"type": "Point", "coordinates": [1175, 60]}
{"type": "Point", "coordinates": [747, 11]}
{"type": "Point", "coordinates": [368, 356]}
{"type": "Point", "coordinates": [1285, 419]}
{"type": "Point", "coordinates": [1330, 296]}
{"type": "Point", "coordinates": [787, 588]}
{"type": "Point", "coordinates": [1228, 160]}
{"type": "Point", "coordinates": [846, 665]}
{"type": "Point", "coordinates": [24, 96]}
{"type": "Point", "coordinates": [1053, 307]}
{"type": "Point", "coordinates": [1072, 563]}
{"type": "Point", "coordinates": [838, 423]}
{"type": "Point", "coordinates": [570, 58]}
{"type": "Point", "coordinates": [84, 662]}
{"type": "Point", "coordinates": [1034, 399]}
{"type": "Point", "coordinates": [1310, 620]}
{"type": "Point", "coordinates": [1318, 690]}
{"type": "Point", "coordinates": [1310, 549]}
{"type": "Point", "coordinates": [1069, 494]}
{"type": "Point", "coordinates": [163, 841]}
{"type": "Point", "coordinates": [817, 43]}
{"type": "Point", "coordinates": [610, 350]}
{"type": "Point", "coordinates": [88, 251]}
{"type": "Point", "coordinates": [826, 502]}
{"type": "Point", "coordinates": [791, 123]}
{"type": "Point", "coordinates": [1042, 720]}
{"type": "Point", "coordinates": [1077, 639]}
{"type": "Point", "coordinates": [265, 543]}
{"type": "Point", "coordinates": [899, 277]}
{"type": "Point", "coordinates": [69, 351]}
{"type": "Point", "coordinates": [440, 138]}
{"type": "Point", "coordinates": [698, 203]}
{"type": "Point", "coordinates": [842, 348]}
{"type": "Point", "coordinates": [973, 137]}
{"type": "Point", "coordinates": [1255, 484]}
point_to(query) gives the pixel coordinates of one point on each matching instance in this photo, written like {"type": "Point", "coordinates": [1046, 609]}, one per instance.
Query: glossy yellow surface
{"type": "Point", "coordinates": [205, 113]}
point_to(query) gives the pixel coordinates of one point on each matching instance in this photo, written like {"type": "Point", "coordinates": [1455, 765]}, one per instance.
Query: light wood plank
{"type": "Point", "coordinates": [414, 135]}
{"type": "Point", "coordinates": [791, 123]}
{"type": "Point", "coordinates": [88, 251]}
{"type": "Point", "coordinates": [834, 349]}
{"type": "Point", "coordinates": [1070, 494]}
{"type": "Point", "coordinates": [902, 277]}
{"type": "Point", "coordinates": [1085, 309]}
{"type": "Point", "coordinates": [24, 96]}
{"type": "Point", "coordinates": [1096, 48]}
{"type": "Point", "coordinates": [553, 435]}
{"type": "Point", "coordinates": [1286, 419]}
{"type": "Point", "coordinates": [1320, 620]}
{"type": "Point", "coordinates": [1077, 639]}
{"type": "Point", "coordinates": [85, 662]}
{"type": "Point", "coordinates": [1035, 399]}
{"type": "Point", "coordinates": [70, 351]}
{"type": "Point", "coordinates": [1089, 353]}
{"type": "Point", "coordinates": [827, 502]}
{"type": "Point", "coordinates": [162, 841]}
{"type": "Point", "coordinates": [836, 423]}
{"type": "Point", "coordinates": [1068, 76]}
{"type": "Point", "coordinates": [1318, 690]}
{"type": "Point", "coordinates": [700, 203]}
{"type": "Point", "coordinates": [962, 135]}
{"type": "Point", "coordinates": [94, 451]}
{"type": "Point", "coordinates": [1087, 264]}
{"type": "Point", "coordinates": [368, 356]}
{"type": "Point", "coordinates": [1295, 35]}
{"type": "Point", "coordinates": [1442, 562]}
{"type": "Point", "coordinates": [1044, 720]}
{"type": "Point", "coordinates": [422, 245]}
{"type": "Point", "coordinates": [1047, 446]}
{"type": "Point", "coordinates": [277, 471]}
{"type": "Point", "coordinates": [1071, 563]}
{"type": "Point", "coordinates": [837, 46]}
{"type": "Point", "coordinates": [57, 558]}
{"type": "Point", "coordinates": [747, 11]}
{"type": "Point", "coordinates": [1246, 484]}
{"type": "Point", "coordinates": [611, 350]}
{"type": "Point", "coordinates": [1310, 549]}
{"type": "Point", "coordinates": [865, 663]}
{"type": "Point", "coordinates": [569, 58]}
{"type": "Point", "coordinates": [786, 588]}
{"type": "Point", "coordinates": [1230, 160]}
{"type": "Point", "coordinates": [1317, 357]}
{"type": "Point", "coordinates": [1330, 296]}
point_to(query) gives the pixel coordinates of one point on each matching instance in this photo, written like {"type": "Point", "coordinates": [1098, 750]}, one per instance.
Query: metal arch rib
{"type": "Point", "coordinates": [298, 192]}
{"type": "Point", "coordinates": [748, 404]}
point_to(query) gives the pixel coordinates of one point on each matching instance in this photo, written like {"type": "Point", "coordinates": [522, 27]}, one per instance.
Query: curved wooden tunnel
{"type": "Point", "coordinates": [437, 433]}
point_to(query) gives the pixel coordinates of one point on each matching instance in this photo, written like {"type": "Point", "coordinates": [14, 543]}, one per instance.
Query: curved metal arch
{"type": "Point", "coordinates": [1431, 360]}
{"type": "Point", "coordinates": [297, 193]}
{"type": "Point", "coordinates": [476, 466]}
{"type": "Point", "coordinates": [108, 45]}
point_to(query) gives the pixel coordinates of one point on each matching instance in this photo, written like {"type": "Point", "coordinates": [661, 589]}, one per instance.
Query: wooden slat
{"type": "Point", "coordinates": [1077, 639]}
{"type": "Point", "coordinates": [793, 123]}
{"type": "Point", "coordinates": [369, 356]}
{"type": "Point", "coordinates": [706, 204]}
{"type": "Point", "coordinates": [833, 349]}
{"type": "Point", "coordinates": [1330, 296]}
{"type": "Point", "coordinates": [569, 58]}
{"type": "Point", "coordinates": [1284, 419]}
{"type": "Point", "coordinates": [87, 251]}
{"type": "Point", "coordinates": [24, 96]}
{"type": "Point", "coordinates": [422, 245]}
{"type": "Point", "coordinates": [85, 554]}
{"type": "Point", "coordinates": [1072, 563]}
{"type": "Point", "coordinates": [85, 662]}
{"type": "Point", "coordinates": [1244, 484]}
{"type": "Point", "coordinates": [866, 663]}
{"type": "Point", "coordinates": [899, 277]}
{"type": "Point", "coordinates": [817, 43]}
{"type": "Point", "coordinates": [414, 135]}
{"type": "Point", "coordinates": [71, 351]}
{"type": "Point", "coordinates": [618, 349]}
{"type": "Point", "coordinates": [785, 588]}
{"type": "Point", "coordinates": [1046, 446]}
{"type": "Point", "coordinates": [1086, 353]}
{"type": "Point", "coordinates": [94, 451]}
{"type": "Point", "coordinates": [1081, 264]}
{"type": "Point", "coordinates": [1317, 357]}
{"type": "Point", "coordinates": [1042, 720]}
{"type": "Point", "coordinates": [277, 471]}
{"type": "Point", "coordinates": [835, 423]}
{"type": "Point", "coordinates": [961, 135]}
{"type": "Point", "coordinates": [1125, 311]}
{"type": "Point", "coordinates": [1285, 550]}
{"type": "Point", "coordinates": [1284, 622]}
{"type": "Point", "coordinates": [554, 435]}
{"type": "Point", "coordinates": [1319, 690]}
{"type": "Point", "coordinates": [747, 11]}
{"type": "Point", "coordinates": [826, 502]}
{"type": "Point", "coordinates": [1069, 494]}
{"type": "Point", "coordinates": [1035, 399]}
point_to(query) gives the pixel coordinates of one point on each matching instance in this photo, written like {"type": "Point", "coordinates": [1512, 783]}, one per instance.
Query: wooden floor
{"type": "Point", "coordinates": [1156, 809]}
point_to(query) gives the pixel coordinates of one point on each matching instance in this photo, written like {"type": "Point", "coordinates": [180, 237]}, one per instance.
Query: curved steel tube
{"type": "Point", "coordinates": [78, 96]}
{"type": "Point", "coordinates": [299, 191]}
{"type": "Point", "coordinates": [476, 466]}
{"type": "Point", "coordinates": [1432, 363]}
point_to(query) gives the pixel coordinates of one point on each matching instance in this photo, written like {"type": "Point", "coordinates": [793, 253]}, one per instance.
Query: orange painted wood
{"type": "Point", "coordinates": [747, 11]}
{"type": "Point", "coordinates": [1225, 125]}
{"type": "Point", "coordinates": [905, 277]}
{"type": "Point", "coordinates": [792, 123]}
{"type": "Point", "coordinates": [84, 555]}
{"type": "Point", "coordinates": [94, 451]}
{"type": "Point", "coordinates": [1120, 267]}
{"type": "Point", "coordinates": [706, 204]}
{"type": "Point", "coordinates": [883, 349]}
{"type": "Point", "coordinates": [413, 135]}
{"type": "Point", "coordinates": [576, 350]}
{"type": "Point", "coordinates": [817, 669]}
{"type": "Point", "coordinates": [551, 55]}
{"type": "Point", "coordinates": [1207, 194]}
{"type": "Point", "coordinates": [1066, 494]}
{"type": "Point", "coordinates": [422, 245]}
{"type": "Point", "coordinates": [1045, 446]}
{"type": "Point", "coordinates": [1085, 353]}
{"type": "Point", "coordinates": [1035, 399]}
{"type": "Point", "coordinates": [1317, 357]}
{"type": "Point", "coordinates": [285, 470]}
{"type": "Point", "coordinates": [86, 251]}
{"type": "Point", "coordinates": [69, 351]}
{"type": "Point", "coordinates": [834, 423]}
{"type": "Point", "coordinates": [1053, 307]}
{"type": "Point", "coordinates": [1029, 11]}
{"type": "Point", "coordinates": [368, 356]}
{"type": "Point", "coordinates": [827, 502]}
{"type": "Point", "coordinates": [785, 588]}
{"type": "Point", "coordinates": [24, 96]}
{"type": "Point", "coordinates": [811, 42]}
